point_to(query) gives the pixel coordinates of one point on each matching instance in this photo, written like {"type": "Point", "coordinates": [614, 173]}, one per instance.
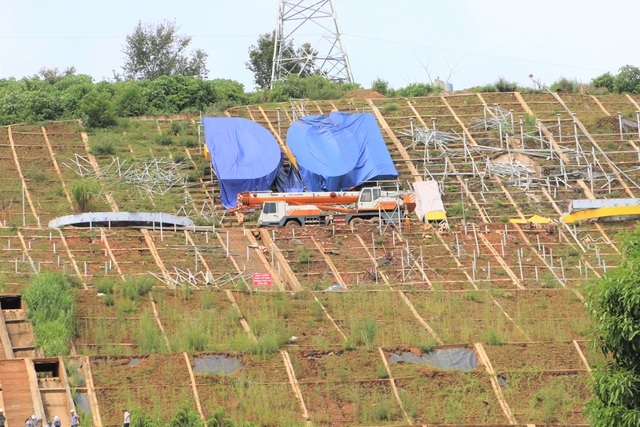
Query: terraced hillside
{"type": "Point", "coordinates": [499, 303]}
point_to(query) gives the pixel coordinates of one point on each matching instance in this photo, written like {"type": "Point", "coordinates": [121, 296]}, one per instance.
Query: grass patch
{"type": "Point", "coordinates": [149, 336]}
{"type": "Point", "coordinates": [135, 288]}
{"type": "Point", "coordinates": [492, 337]}
{"type": "Point", "coordinates": [363, 332]}
{"type": "Point", "coordinates": [164, 139]}
{"type": "Point", "coordinates": [102, 147]}
{"type": "Point", "coordinates": [105, 286]}
{"type": "Point", "coordinates": [189, 141]}
{"type": "Point", "coordinates": [84, 192]}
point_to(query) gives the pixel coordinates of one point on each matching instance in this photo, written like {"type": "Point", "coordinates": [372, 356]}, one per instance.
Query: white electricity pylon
{"type": "Point", "coordinates": [313, 22]}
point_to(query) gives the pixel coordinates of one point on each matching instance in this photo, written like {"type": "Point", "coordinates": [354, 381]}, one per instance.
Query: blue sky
{"type": "Point", "coordinates": [472, 41]}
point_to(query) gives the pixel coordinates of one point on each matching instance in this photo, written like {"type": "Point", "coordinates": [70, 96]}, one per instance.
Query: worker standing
{"type": "Point", "coordinates": [75, 419]}
{"type": "Point", "coordinates": [2, 417]}
{"type": "Point", "coordinates": [127, 418]}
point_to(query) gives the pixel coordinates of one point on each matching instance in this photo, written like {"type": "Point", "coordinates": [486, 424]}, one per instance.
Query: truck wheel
{"type": "Point", "coordinates": [376, 220]}
{"type": "Point", "coordinates": [292, 223]}
{"type": "Point", "coordinates": [356, 222]}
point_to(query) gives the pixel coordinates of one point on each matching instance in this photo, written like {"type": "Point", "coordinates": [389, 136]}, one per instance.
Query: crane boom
{"type": "Point", "coordinates": [254, 200]}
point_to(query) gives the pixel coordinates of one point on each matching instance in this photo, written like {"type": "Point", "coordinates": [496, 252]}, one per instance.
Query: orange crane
{"type": "Point", "coordinates": [353, 207]}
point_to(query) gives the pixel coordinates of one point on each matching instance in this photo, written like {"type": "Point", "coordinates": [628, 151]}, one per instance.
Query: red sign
{"type": "Point", "coordinates": [262, 279]}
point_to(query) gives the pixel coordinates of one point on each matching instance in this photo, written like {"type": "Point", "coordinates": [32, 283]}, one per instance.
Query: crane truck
{"type": "Point", "coordinates": [321, 208]}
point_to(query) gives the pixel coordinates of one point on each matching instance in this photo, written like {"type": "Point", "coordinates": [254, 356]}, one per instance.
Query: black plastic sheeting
{"type": "Point", "coordinates": [216, 364]}
{"type": "Point", "coordinates": [82, 401]}
{"type": "Point", "coordinates": [462, 359]}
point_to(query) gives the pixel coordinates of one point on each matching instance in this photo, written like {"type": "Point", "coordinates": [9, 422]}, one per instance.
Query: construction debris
{"type": "Point", "coordinates": [149, 177]}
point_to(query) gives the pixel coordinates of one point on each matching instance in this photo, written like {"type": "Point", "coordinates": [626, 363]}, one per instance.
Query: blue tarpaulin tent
{"type": "Point", "coordinates": [339, 151]}
{"type": "Point", "coordinates": [245, 156]}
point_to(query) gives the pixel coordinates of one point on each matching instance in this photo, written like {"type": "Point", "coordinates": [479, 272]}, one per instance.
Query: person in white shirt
{"type": "Point", "coordinates": [127, 418]}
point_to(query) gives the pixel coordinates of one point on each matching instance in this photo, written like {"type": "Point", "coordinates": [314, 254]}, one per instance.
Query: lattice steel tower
{"type": "Point", "coordinates": [313, 22]}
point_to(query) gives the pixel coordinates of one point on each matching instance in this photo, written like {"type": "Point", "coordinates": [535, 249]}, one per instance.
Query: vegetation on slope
{"type": "Point", "coordinates": [614, 304]}
{"type": "Point", "coordinates": [49, 300]}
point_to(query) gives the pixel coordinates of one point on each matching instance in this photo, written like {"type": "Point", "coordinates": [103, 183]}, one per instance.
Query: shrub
{"type": "Point", "coordinates": [189, 141]}
{"type": "Point", "coordinates": [140, 418]}
{"type": "Point", "coordinates": [103, 147]}
{"type": "Point", "coordinates": [164, 139]}
{"type": "Point", "coordinates": [83, 193]}
{"type": "Point", "coordinates": [381, 371]}
{"type": "Point", "coordinates": [492, 337]}
{"type": "Point", "coordinates": [380, 86]}
{"type": "Point", "coordinates": [363, 331]}
{"type": "Point", "coordinates": [416, 89]}
{"type": "Point", "coordinates": [179, 158]}
{"type": "Point", "coordinates": [50, 303]}
{"type": "Point", "coordinates": [503, 85]}
{"type": "Point", "coordinates": [105, 286]}
{"type": "Point", "coordinates": [135, 287]}
{"type": "Point", "coordinates": [382, 412]}
{"type": "Point", "coordinates": [208, 300]}
{"type": "Point", "coordinates": [126, 306]}
{"type": "Point", "coordinates": [109, 300]}
{"type": "Point", "coordinates": [348, 345]}
{"type": "Point", "coordinates": [486, 88]}
{"type": "Point", "coordinates": [177, 128]}
{"type": "Point", "coordinates": [219, 419]}
{"type": "Point", "coordinates": [471, 296]}
{"type": "Point", "coordinates": [428, 347]}
{"type": "Point", "coordinates": [565, 85]}
{"type": "Point", "coordinates": [389, 108]}
{"type": "Point", "coordinates": [303, 256]}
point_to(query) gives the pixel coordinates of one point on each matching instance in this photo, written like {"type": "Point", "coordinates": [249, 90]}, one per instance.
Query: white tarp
{"type": "Point", "coordinates": [428, 199]}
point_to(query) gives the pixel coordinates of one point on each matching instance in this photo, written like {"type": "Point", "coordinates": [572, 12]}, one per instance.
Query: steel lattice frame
{"type": "Point", "coordinates": [306, 18]}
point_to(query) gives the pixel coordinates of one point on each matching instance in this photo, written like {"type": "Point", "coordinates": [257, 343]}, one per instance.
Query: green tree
{"type": "Point", "coordinates": [604, 81]}
{"type": "Point", "coordinates": [300, 61]}
{"type": "Point", "coordinates": [380, 86]}
{"type": "Point", "coordinates": [627, 80]}
{"type": "Point", "coordinates": [261, 60]}
{"type": "Point", "coordinates": [53, 75]}
{"type": "Point", "coordinates": [614, 304]}
{"type": "Point", "coordinates": [155, 50]}
{"type": "Point", "coordinates": [96, 109]}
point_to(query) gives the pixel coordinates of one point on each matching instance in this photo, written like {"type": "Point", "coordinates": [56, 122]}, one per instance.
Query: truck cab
{"type": "Point", "coordinates": [371, 199]}
{"type": "Point", "coordinates": [272, 213]}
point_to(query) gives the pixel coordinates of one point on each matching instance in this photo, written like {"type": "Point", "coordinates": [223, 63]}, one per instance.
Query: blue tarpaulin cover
{"type": "Point", "coordinates": [245, 156]}
{"type": "Point", "coordinates": [339, 151]}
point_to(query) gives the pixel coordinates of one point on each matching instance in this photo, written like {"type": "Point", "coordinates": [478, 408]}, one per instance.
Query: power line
{"type": "Point", "coordinates": [487, 55]}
